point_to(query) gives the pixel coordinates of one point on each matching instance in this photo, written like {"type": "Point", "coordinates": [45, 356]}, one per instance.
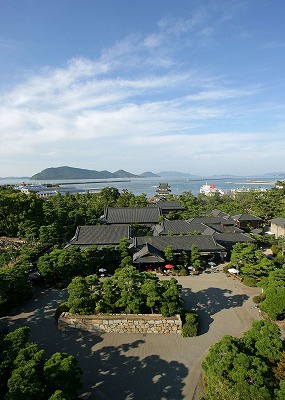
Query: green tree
{"type": "Point", "coordinates": [58, 395]}
{"type": "Point", "coordinates": [110, 296]}
{"type": "Point", "coordinates": [280, 394]}
{"type": "Point", "coordinates": [49, 235]}
{"type": "Point", "coordinates": [125, 198]}
{"type": "Point", "coordinates": [274, 303]}
{"type": "Point", "coordinates": [243, 368]}
{"type": "Point", "coordinates": [170, 298]}
{"type": "Point", "coordinates": [14, 287]}
{"type": "Point", "coordinates": [263, 339]}
{"type": "Point", "coordinates": [80, 300]}
{"type": "Point", "coordinates": [48, 267]}
{"type": "Point", "coordinates": [62, 372]}
{"type": "Point", "coordinates": [150, 290]}
{"type": "Point", "coordinates": [109, 196]}
{"type": "Point", "coordinates": [10, 346]}
{"type": "Point", "coordinates": [25, 382]}
{"type": "Point", "coordinates": [168, 253]}
{"type": "Point", "coordinates": [129, 283]}
{"type": "Point", "coordinates": [195, 257]}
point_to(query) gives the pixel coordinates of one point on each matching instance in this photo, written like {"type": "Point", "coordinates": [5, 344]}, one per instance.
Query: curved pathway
{"type": "Point", "coordinates": [136, 366]}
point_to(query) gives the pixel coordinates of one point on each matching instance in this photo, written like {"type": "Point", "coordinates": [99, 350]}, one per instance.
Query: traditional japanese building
{"type": "Point", "coordinates": [162, 191]}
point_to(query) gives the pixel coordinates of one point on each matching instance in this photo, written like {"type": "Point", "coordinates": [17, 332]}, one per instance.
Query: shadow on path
{"type": "Point", "coordinates": [121, 377]}
{"type": "Point", "coordinates": [208, 302]}
{"type": "Point", "coordinates": [110, 372]}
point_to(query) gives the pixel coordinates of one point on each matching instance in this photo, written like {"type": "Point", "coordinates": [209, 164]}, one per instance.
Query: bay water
{"type": "Point", "coordinates": [148, 186]}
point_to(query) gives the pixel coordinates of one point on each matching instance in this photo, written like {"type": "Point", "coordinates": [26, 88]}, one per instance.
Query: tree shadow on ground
{"type": "Point", "coordinates": [122, 377]}
{"type": "Point", "coordinates": [38, 314]}
{"type": "Point", "coordinates": [210, 301]}
{"type": "Point", "coordinates": [109, 372]}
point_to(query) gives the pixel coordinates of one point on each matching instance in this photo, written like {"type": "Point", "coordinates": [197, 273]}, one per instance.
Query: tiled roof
{"type": "Point", "coordinates": [224, 229]}
{"type": "Point", "coordinates": [232, 238]}
{"type": "Point", "coordinates": [132, 215]}
{"type": "Point", "coordinates": [278, 221]}
{"type": "Point", "coordinates": [169, 205]}
{"type": "Point", "coordinates": [180, 243]}
{"type": "Point", "coordinates": [245, 217]}
{"type": "Point", "coordinates": [163, 186]}
{"type": "Point", "coordinates": [175, 226]}
{"type": "Point", "coordinates": [217, 213]}
{"type": "Point", "coordinates": [213, 220]}
{"type": "Point", "coordinates": [148, 253]}
{"type": "Point", "coordinates": [197, 226]}
{"type": "Point", "coordinates": [100, 235]}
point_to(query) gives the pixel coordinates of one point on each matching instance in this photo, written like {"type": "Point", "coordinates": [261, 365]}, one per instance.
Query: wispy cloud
{"type": "Point", "coordinates": [114, 108]}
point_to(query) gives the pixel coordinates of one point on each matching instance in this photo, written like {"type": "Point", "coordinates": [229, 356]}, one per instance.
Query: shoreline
{"type": "Point", "coordinates": [252, 183]}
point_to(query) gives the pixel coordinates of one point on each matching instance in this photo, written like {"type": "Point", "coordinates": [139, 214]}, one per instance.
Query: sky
{"type": "Point", "coordinates": [188, 85]}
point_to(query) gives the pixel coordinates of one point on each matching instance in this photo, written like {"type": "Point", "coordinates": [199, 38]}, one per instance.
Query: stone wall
{"type": "Point", "coordinates": [121, 323]}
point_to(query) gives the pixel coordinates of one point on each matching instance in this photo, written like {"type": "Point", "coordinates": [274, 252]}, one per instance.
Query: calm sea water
{"type": "Point", "coordinates": [148, 185]}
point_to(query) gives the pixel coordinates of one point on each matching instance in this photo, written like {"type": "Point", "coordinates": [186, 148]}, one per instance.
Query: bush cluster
{"type": "Point", "coordinates": [190, 325]}
{"type": "Point", "coordinates": [125, 292]}
{"type": "Point", "coordinates": [27, 374]}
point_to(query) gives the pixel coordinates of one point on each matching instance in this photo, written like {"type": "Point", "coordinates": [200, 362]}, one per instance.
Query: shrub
{"type": "Point", "coordinates": [183, 272]}
{"type": "Point", "coordinates": [249, 282]}
{"type": "Point", "coordinates": [262, 296]}
{"type": "Point", "coordinates": [256, 299]}
{"type": "Point", "coordinates": [259, 298]}
{"type": "Point", "coordinates": [226, 268]}
{"type": "Point", "coordinates": [190, 326]}
{"type": "Point", "coordinates": [60, 309]}
{"type": "Point", "coordinates": [175, 272]}
{"type": "Point", "coordinates": [189, 330]}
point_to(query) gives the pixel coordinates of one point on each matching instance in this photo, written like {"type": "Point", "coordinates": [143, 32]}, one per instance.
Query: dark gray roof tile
{"type": "Point", "coordinates": [132, 215]}
{"type": "Point", "coordinates": [100, 235]}
{"type": "Point", "coordinates": [180, 243]}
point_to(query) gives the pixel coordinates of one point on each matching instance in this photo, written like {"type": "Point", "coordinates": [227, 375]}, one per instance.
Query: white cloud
{"type": "Point", "coordinates": [123, 106]}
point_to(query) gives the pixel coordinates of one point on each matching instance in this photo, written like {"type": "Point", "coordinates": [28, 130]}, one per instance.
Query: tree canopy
{"type": "Point", "coordinates": [125, 292]}
{"type": "Point", "coordinates": [26, 373]}
{"type": "Point", "coordinates": [245, 368]}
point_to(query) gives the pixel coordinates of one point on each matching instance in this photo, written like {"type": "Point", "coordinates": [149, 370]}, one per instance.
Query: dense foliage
{"type": "Point", "coordinates": [23, 215]}
{"type": "Point", "coordinates": [59, 266]}
{"type": "Point", "coordinates": [249, 368]}
{"type": "Point", "coordinates": [26, 373]}
{"type": "Point", "coordinates": [190, 324]}
{"type": "Point", "coordinates": [14, 287]}
{"type": "Point", "coordinates": [251, 261]}
{"type": "Point", "coordinates": [125, 292]}
{"type": "Point", "coordinates": [274, 294]}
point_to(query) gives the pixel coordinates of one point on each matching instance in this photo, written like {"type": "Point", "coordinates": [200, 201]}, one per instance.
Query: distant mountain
{"type": "Point", "coordinates": [79, 173]}
{"type": "Point", "coordinates": [149, 174]}
{"type": "Point", "coordinates": [176, 174]}
{"type": "Point", "coordinates": [124, 174]}
{"type": "Point", "coordinates": [275, 175]}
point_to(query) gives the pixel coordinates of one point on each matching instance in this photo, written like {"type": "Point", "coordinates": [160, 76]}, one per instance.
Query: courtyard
{"type": "Point", "coordinates": [143, 366]}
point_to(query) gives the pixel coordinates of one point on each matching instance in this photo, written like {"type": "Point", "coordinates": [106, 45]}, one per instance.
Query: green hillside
{"type": "Point", "coordinates": [79, 173]}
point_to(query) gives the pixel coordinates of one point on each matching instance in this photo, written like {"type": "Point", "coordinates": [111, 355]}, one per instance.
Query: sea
{"type": "Point", "coordinates": [148, 186]}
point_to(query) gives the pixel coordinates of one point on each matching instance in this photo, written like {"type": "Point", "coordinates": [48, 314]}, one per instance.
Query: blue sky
{"type": "Point", "coordinates": [191, 86]}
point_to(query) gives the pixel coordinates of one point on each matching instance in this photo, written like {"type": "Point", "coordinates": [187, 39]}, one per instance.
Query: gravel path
{"type": "Point", "coordinates": [137, 366]}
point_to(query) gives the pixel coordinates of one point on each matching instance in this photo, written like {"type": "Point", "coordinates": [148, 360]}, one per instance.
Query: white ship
{"type": "Point", "coordinates": [210, 190]}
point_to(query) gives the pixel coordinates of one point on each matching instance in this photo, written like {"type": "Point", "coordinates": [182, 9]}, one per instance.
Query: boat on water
{"type": "Point", "coordinates": [210, 190]}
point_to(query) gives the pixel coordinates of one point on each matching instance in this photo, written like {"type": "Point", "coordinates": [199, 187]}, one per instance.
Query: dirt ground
{"type": "Point", "coordinates": [150, 366]}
